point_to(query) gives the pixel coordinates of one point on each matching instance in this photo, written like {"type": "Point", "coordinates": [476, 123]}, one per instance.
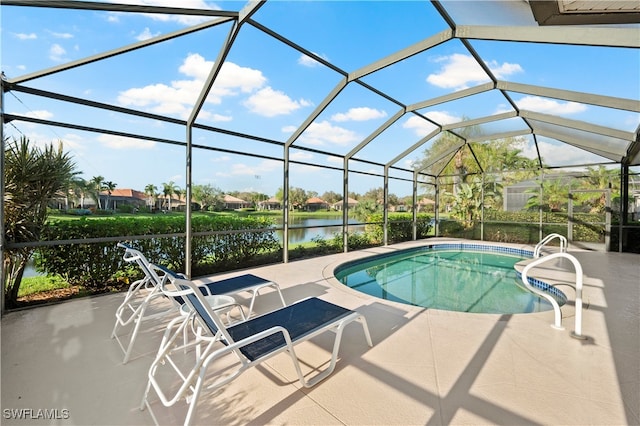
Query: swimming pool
{"type": "Point", "coordinates": [455, 277]}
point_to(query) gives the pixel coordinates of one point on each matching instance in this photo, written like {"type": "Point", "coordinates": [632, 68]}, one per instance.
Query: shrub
{"type": "Point", "coordinates": [79, 212]}
{"type": "Point", "coordinates": [127, 208]}
{"type": "Point", "coordinates": [524, 227]}
{"type": "Point", "coordinates": [98, 265]}
{"type": "Point", "coordinates": [400, 227]}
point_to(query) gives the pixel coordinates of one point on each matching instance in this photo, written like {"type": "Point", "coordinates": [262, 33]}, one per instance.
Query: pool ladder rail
{"type": "Point", "coordinates": [577, 333]}
{"type": "Point", "coordinates": [546, 240]}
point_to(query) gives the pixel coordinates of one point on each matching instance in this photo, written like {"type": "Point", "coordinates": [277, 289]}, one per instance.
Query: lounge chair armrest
{"type": "Point", "coordinates": [247, 341]}
{"type": "Point", "coordinates": [258, 336]}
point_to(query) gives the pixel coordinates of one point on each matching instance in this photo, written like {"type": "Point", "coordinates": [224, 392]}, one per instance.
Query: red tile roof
{"type": "Point", "coordinates": [315, 200]}
{"type": "Point", "coordinates": [126, 193]}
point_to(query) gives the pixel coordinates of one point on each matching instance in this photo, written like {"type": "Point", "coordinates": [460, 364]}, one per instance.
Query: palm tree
{"type": "Point", "coordinates": [33, 176]}
{"type": "Point", "coordinates": [79, 189]}
{"type": "Point", "coordinates": [150, 190]}
{"type": "Point", "coordinates": [109, 187]}
{"type": "Point", "coordinates": [555, 194]}
{"type": "Point", "coordinates": [168, 190]}
{"type": "Point", "coordinates": [600, 178]}
{"type": "Point", "coordinates": [95, 185]}
{"type": "Point", "coordinates": [178, 193]}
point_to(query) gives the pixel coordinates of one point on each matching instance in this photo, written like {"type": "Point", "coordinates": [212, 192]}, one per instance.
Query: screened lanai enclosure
{"type": "Point", "coordinates": [492, 120]}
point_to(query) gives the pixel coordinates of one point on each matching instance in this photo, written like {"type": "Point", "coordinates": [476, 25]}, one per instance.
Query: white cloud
{"type": "Point", "coordinates": [175, 178]}
{"type": "Point", "coordinates": [334, 160]}
{"type": "Point", "coordinates": [146, 34]}
{"type": "Point", "coordinates": [503, 108]}
{"type": "Point", "coordinates": [218, 118]}
{"type": "Point", "coordinates": [308, 61]}
{"type": "Point", "coordinates": [43, 114]}
{"type": "Point", "coordinates": [323, 133]}
{"type": "Point", "coordinates": [442, 117]}
{"type": "Point", "coordinates": [359, 114]}
{"type": "Point", "coordinates": [550, 106]}
{"type": "Point", "coordinates": [460, 71]}
{"type": "Point", "coordinates": [232, 77]}
{"type": "Point", "coordinates": [122, 142]}
{"type": "Point", "coordinates": [74, 142]}
{"type": "Point", "coordinates": [56, 53]}
{"type": "Point", "coordinates": [160, 94]}
{"type": "Point", "coordinates": [419, 126]}
{"type": "Point", "coordinates": [632, 120]}
{"type": "Point", "coordinates": [42, 137]}
{"type": "Point", "coordinates": [289, 129]}
{"type": "Point", "coordinates": [504, 70]}
{"type": "Point", "coordinates": [558, 153]}
{"type": "Point", "coordinates": [23, 36]}
{"type": "Point", "coordinates": [301, 156]}
{"type": "Point", "coordinates": [61, 35]}
{"type": "Point", "coordinates": [178, 97]}
{"type": "Point", "coordinates": [269, 103]}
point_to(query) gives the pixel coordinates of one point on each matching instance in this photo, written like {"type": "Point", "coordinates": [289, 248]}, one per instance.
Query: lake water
{"type": "Point", "coordinates": [317, 227]}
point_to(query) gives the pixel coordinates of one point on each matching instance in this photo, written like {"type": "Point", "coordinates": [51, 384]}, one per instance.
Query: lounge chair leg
{"type": "Point", "coordinates": [256, 292]}
{"type": "Point", "coordinates": [194, 398]}
{"type": "Point", "coordinates": [144, 402]}
{"type": "Point", "coordinates": [134, 335]}
{"type": "Point", "coordinates": [365, 328]}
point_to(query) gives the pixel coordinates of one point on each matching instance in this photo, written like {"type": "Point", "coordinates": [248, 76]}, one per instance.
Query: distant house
{"type": "Point", "coordinates": [314, 204]}
{"type": "Point", "coordinates": [634, 205]}
{"type": "Point", "coordinates": [232, 203]}
{"type": "Point", "coordinates": [426, 204]}
{"type": "Point", "coordinates": [516, 196]}
{"type": "Point", "coordinates": [271, 204]}
{"type": "Point", "coordinates": [351, 203]}
{"type": "Point", "coordinates": [123, 196]}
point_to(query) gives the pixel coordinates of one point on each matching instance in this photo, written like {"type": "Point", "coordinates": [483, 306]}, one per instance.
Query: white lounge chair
{"type": "Point", "coordinates": [141, 294]}
{"type": "Point", "coordinates": [137, 301]}
{"type": "Point", "coordinates": [251, 342]}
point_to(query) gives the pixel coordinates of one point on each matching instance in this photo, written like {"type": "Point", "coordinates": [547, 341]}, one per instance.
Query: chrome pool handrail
{"type": "Point", "coordinates": [577, 333]}
{"type": "Point", "coordinates": [545, 241]}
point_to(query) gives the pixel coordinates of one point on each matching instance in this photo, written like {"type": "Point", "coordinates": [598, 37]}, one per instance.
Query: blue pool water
{"type": "Point", "coordinates": [456, 278]}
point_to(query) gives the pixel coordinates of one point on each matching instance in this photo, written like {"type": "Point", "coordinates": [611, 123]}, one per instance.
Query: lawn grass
{"type": "Point", "coordinates": [38, 284]}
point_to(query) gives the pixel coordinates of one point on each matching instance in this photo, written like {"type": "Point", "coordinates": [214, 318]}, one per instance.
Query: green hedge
{"type": "Point", "coordinates": [400, 227]}
{"type": "Point", "coordinates": [98, 265]}
{"type": "Point", "coordinates": [523, 227]}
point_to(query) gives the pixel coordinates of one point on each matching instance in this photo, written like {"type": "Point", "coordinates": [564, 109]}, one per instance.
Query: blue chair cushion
{"type": "Point", "coordinates": [299, 319]}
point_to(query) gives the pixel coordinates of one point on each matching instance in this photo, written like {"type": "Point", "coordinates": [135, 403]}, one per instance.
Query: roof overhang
{"type": "Point", "coordinates": [585, 12]}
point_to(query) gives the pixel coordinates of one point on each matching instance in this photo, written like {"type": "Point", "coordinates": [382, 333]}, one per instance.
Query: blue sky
{"type": "Point", "coordinates": [268, 89]}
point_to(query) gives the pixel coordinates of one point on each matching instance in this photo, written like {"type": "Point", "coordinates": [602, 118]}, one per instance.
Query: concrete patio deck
{"type": "Point", "coordinates": [426, 366]}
